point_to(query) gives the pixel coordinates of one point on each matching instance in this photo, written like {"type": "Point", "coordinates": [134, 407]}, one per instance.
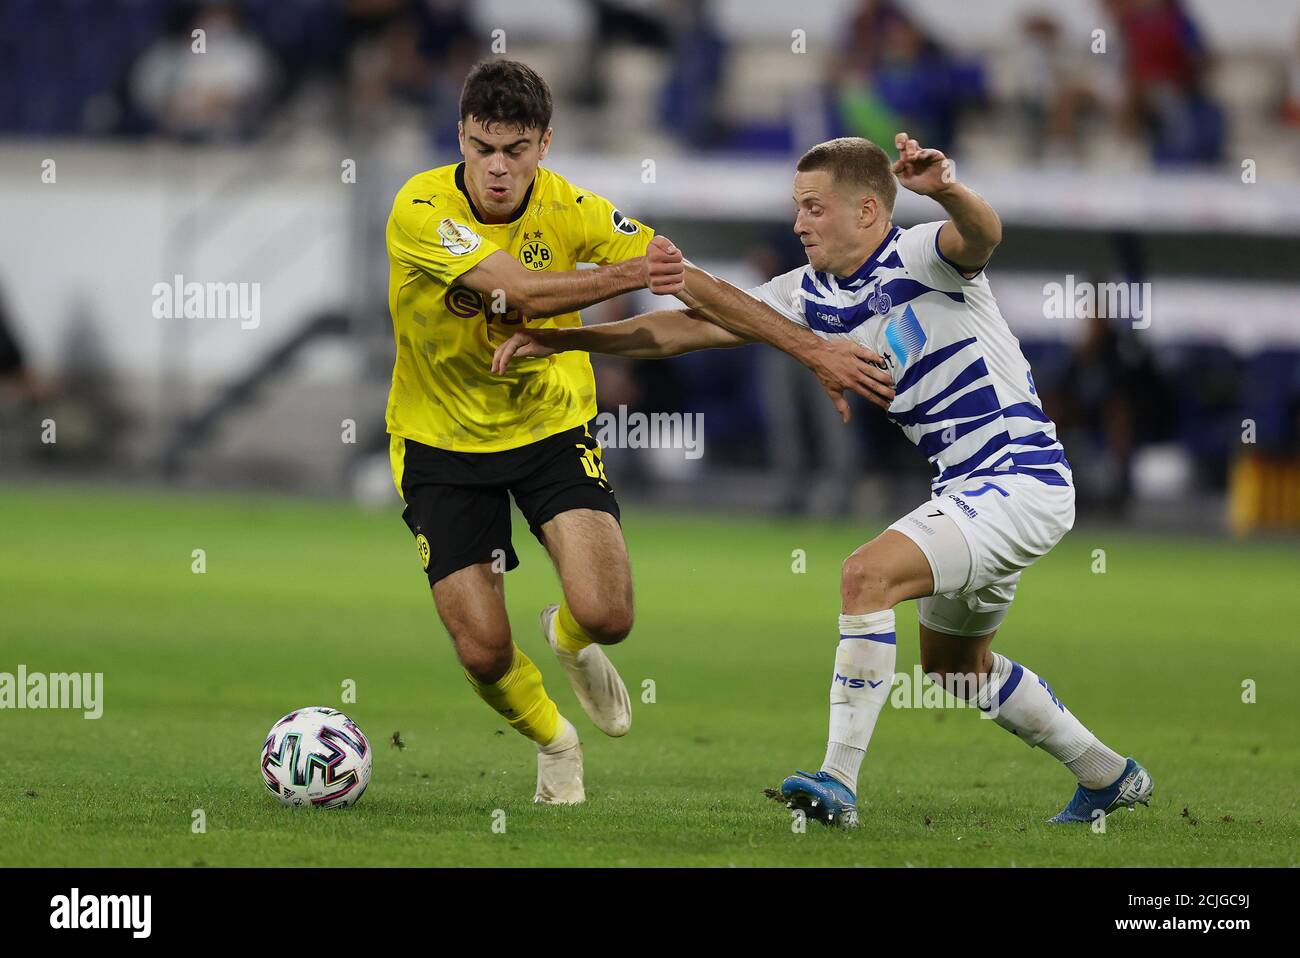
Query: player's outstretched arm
{"type": "Point", "coordinates": [837, 364]}
{"type": "Point", "coordinates": [539, 295]}
{"type": "Point", "coordinates": [656, 335]}
{"type": "Point", "coordinates": [973, 231]}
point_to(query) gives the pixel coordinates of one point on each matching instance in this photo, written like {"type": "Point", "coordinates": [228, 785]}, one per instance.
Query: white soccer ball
{"type": "Point", "coordinates": [316, 756]}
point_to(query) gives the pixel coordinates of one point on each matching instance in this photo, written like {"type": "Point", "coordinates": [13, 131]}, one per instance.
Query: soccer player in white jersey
{"type": "Point", "coordinates": [918, 301]}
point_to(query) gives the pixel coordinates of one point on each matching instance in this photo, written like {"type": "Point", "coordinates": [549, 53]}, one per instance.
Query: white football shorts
{"type": "Point", "coordinates": [978, 537]}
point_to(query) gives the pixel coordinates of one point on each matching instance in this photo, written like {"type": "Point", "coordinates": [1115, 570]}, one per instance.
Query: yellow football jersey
{"type": "Point", "coordinates": [444, 393]}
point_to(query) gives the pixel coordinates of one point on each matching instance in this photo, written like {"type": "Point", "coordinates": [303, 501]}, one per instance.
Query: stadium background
{"type": "Point", "coordinates": [1163, 150]}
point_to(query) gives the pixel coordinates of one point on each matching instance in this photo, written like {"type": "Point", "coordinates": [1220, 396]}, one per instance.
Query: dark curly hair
{"type": "Point", "coordinates": [507, 92]}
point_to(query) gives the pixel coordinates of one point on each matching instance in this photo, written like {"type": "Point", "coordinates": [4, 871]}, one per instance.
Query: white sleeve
{"type": "Point", "coordinates": [918, 248]}
{"type": "Point", "coordinates": [782, 293]}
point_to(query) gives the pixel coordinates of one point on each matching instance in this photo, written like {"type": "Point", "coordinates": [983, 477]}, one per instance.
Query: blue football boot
{"type": "Point", "coordinates": [822, 797]}
{"type": "Point", "coordinates": [1134, 786]}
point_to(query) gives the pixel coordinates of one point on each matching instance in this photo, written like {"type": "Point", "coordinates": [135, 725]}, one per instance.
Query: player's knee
{"type": "Point", "coordinates": [608, 623]}
{"type": "Point", "coordinates": [613, 626]}
{"type": "Point", "coordinates": [864, 584]}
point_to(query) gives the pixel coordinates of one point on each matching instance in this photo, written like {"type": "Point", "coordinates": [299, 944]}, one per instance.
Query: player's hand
{"type": "Point", "coordinates": [841, 364]}
{"type": "Point", "coordinates": [926, 172]}
{"type": "Point", "coordinates": [665, 270]}
{"type": "Point", "coordinates": [520, 344]}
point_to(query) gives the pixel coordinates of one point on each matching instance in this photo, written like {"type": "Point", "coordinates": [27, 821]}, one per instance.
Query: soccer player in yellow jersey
{"type": "Point", "coordinates": [477, 251]}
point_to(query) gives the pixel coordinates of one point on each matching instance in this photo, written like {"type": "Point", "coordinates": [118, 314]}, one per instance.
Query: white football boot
{"type": "Point", "coordinates": [559, 769]}
{"type": "Point", "coordinates": [595, 681]}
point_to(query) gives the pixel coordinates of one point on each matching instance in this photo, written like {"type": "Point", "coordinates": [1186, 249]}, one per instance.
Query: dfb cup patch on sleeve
{"type": "Point", "coordinates": [459, 240]}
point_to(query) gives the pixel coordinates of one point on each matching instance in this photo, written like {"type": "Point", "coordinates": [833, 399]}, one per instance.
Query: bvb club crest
{"type": "Point", "coordinates": [536, 256]}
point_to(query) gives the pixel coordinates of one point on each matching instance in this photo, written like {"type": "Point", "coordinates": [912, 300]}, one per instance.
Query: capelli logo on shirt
{"type": "Point", "coordinates": [961, 504]}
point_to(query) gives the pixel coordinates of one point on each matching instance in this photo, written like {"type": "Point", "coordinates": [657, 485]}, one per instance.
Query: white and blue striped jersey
{"type": "Point", "coordinates": [964, 394]}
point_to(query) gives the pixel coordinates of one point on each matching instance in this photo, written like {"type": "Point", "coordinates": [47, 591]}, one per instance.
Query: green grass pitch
{"type": "Point", "coordinates": [299, 596]}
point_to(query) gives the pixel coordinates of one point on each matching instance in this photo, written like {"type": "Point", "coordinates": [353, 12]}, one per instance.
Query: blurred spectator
{"type": "Point", "coordinates": [410, 54]}
{"type": "Point", "coordinates": [1290, 112]}
{"type": "Point", "coordinates": [691, 106]}
{"type": "Point", "coordinates": [817, 458]}
{"type": "Point", "coordinates": [448, 42]}
{"type": "Point", "coordinates": [1165, 64]}
{"type": "Point", "coordinates": [635, 22]}
{"type": "Point", "coordinates": [402, 62]}
{"type": "Point", "coordinates": [1052, 89]}
{"type": "Point", "coordinates": [1112, 398]}
{"type": "Point", "coordinates": [17, 380]}
{"type": "Point", "coordinates": [893, 76]}
{"type": "Point", "coordinates": [217, 86]}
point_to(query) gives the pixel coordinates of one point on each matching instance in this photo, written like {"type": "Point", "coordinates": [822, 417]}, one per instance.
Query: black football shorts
{"type": "Point", "coordinates": [458, 505]}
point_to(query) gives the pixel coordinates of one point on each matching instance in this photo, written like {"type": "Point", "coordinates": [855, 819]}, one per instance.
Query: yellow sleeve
{"type": "Point", "coordinates": [441, 246]}
{"type": "Point", "coordinates": [609, 236]}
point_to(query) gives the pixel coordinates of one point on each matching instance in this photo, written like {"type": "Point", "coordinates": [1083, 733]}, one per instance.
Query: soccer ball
{"type": "Point", "coordinates": [316, 756]}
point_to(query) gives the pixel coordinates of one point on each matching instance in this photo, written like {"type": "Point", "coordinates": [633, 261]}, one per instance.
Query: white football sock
{"type": "Point", "coordinates": [566, 736]}
{"type": "Point", "coordinates": [864, 673]}
{"type": "Point", "coordinates": [1024, 705]}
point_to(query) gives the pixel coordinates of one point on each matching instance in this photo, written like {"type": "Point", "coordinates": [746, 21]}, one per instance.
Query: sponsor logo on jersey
{"type": "Point", "coordinates": [961, 504]}
{"type": "Point", "coordinates": [927, 529]}
{"type": "Point", "coordinates": [905, 335]}
{"type": "Point", "coordinates": [467, 304]}
{"type": "Point", "coordinates": [830, 319]}
{"type": "Point", "coordinates": [459, 240]}
{"type": "Point", "coordinates": [624, 225]}
{"type": "Point", "coordinates": [463, 302]}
